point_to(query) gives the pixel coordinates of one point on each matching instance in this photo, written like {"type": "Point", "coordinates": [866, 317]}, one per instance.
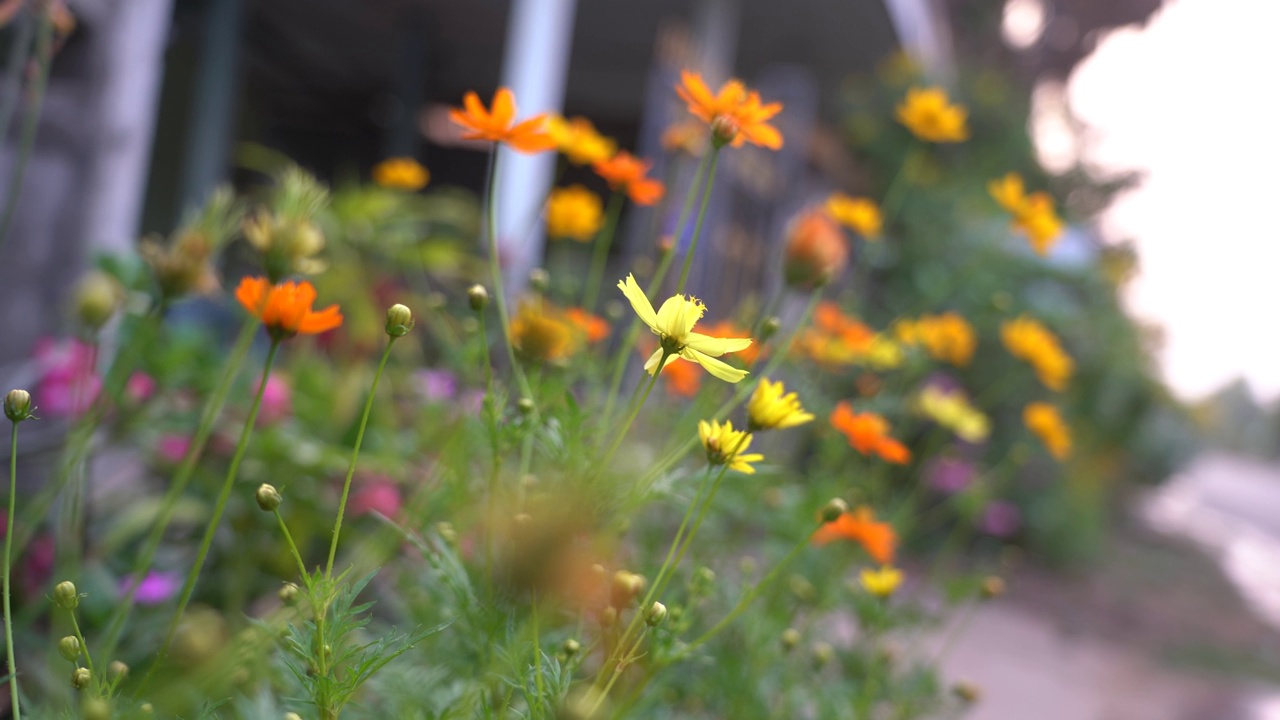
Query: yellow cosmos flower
{"type": "Point", "coordinates": [1033, 343]}
{"type": "Point", "coordinates": [859, 214]}
{"type": "Point", "coordinates": [930, 116]}
{"type": "Point", "coordinates": [579, 141]}
{"type": "Point", "coordinates": [1033, 215]}
{"type": "Point", "coordinates": [770, 409]}
{"type": "Point", "coordinates": [1044, 420]}
{"type": "Point", "coordinates": [947, 337]}
{"type": "Point", "coordinates": [401, 173]}
{"type": "Point", "coordinates": [540, 335]}
{"type": "Point", "coordinates": [726, 446]}
{"type": "Point", "coordinates": [673, 323]}
{"type": "Point", "coordinates": [953, 411]}
{"type": "Point", "coordinates": [881, 583]}
{"type": "Point", "coordinates": [575, 213]}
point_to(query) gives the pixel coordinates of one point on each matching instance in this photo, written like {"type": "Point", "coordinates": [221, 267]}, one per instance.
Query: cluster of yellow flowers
{"type": "Point", "coordinates": [947, 337]}
{"type": "Point", "coordinates": [1033, 215]}
{"type": "Point", "coordinates": [1028, 340]}
{"type": "Point", "coordinates": [952, 410]}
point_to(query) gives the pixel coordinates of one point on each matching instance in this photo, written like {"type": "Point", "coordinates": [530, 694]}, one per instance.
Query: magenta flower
{"type": "Point", "coordinates": [437, 385]}
{"type": "Point", "coordinates": [154, 589]}
{"type": "Point", "coordinates": [139, 388]}
{"type": "Point", "coordinates": [277, 401]}
{"type": "Point", "coordinates": [1000, 518]}
{"type": "Point", "coordinates": [949, 475]}
{"type": "Point", "coordinates": [68, 383]}
{"type": "Point", "coordinates": [173, 447]}
{"type": "Point", "coordinates": [380, 494]}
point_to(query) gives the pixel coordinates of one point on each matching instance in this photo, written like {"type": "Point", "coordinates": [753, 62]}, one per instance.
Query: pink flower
{"type": "Point", "coordinates": [154, 589]}
{"type": "Point", "coordinates": [277, 401]}
{"type": "Point", "coordinates": [437, 385]}
{"type": "Point", "coordinates": [172, 448]}
{"type": "Point", "coordinates": [380, 494]}
{"type": "Point", "coordinates": [1000, 518]}
{"type": "Point", "coordinates": [68, 382]}
{"type": "Point", "coordinates": [139, 388]}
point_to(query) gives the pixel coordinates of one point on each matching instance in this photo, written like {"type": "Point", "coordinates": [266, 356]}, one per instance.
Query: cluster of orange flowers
{"type": "Point", "coordinates": [542, 332]}
{"type": "Point", "coordinates": [840, 339]}
{"type": "Point", "coordinates": [947, 337]}
{"type": "Point", "coordinates": [1028, 340]}
{"type": "Point", "coordinates": [877, 537]}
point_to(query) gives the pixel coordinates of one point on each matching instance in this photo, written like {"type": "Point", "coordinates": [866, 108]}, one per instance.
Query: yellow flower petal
{"type": "Point", "coordinates": [718, 368]}
{"type": "Point", "coordinates": [714, 346]}
{"type": "Point", "coordinates": [639, 302]}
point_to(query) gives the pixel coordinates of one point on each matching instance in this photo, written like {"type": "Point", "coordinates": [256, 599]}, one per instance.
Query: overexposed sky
{"type": "Point", "coordinates": [1193, 99]}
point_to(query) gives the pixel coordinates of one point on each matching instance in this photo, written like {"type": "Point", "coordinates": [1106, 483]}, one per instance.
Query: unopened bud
{"type": "Point", "coordinates": [802, 588]}
{"type": "Point", "coordinates": [608, 617]}
{"type": "Point", "coordinates": [117, 670]}
{"type": "Point", "coordinates": [478, 297]}
{"type": "Point", "coordinates": [288, 593]}
{"type": "Point", "coordinates": [96, 708]}
{"type": "Point", "coordinates": [770, 327]}
{"type": "Point", "coordinates": [655, 614]}
{"type": "Point", "coordinates": [790, 638]}
{"type": "Point", "coordinates": [147, 709]}
{"type": "Point", "coordinates": [724, 130]}
{"type": "Point", "coordinates": [292, 716]}
{"type": "Point", "coordinates": [570, 647]}
{"type": "Point", "coordinates": [992, 587]}
{"type": "Point", "coordinates": [80, 678]}
{"type": "Point", "coordinates": [823, 653]}
{"type": "Point", "coordinates": [626, 586]}
{"type": "Point", "coordinates": [69, 648]}
{"type": "Point", "coordinates": [967, 691]}
{"type": "Point", "coordinates": [446, 532]}
{"type": "Point", "coordinates": [539, 279]}
{"type": "Point", "coordinates": [65, 595]}
{"type": "Point", "coordinates": [268, 497]}
{"type": "Point", "coordinates": [666, 244]}
{"type": "Point", "coordinates": [834, 508]}
{"type": "Point", "coordinates": [17, 405]}
{"type": "Point", "coordinates": [399, 320]}
{"type": "Point", "coordinates": [525, 405]}
{"type": "Point", "coordinates": [96, 299]}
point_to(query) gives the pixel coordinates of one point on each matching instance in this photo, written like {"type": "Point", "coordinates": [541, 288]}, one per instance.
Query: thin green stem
{"type": "Point", "coordinates": [495, 271]}
{"type": "Point", "coordinates": [600, 253]}
{"type": "Point", "coordinates": [355, 456]}
{"type": "Point", "coordinates": [8, 555]}
{"type": "Point", "coordinates": [631, 417]}
{"type": "Point", "coordinates": [293, 548]}
{"type": "Point", "coordinates": [44, 54]}
{"type": "Point", "coordinates": [75, 628]}
{"type": "Point", "coordinates": [219, 507]}
{"type": "Point", "coordinates": [697, 225]}
{"type": "Point", "coordinates": [537, 656]}
{"type": "Point", "coordinates": [664, 265]}
{"type": "Point", "coordinates": [169, 504]}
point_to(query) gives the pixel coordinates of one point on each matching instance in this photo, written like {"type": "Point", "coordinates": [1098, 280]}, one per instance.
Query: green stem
{"type": "Point", "coordinates": [537, 656]}
{"type": "Point", "coordinates": [169, 504]}
{"type": "Point", "coordinates": [631, 417]}
{"type": "Point", "coordinates": [8, 554]}
{"type": "Point", "coordinates": [44, 54]}
{"type": "Point", "coordinates": [495, 449]}
{"type": "Point", "coordinates": [495, 271]}
{"type": "Point", "coordinates": [355, 456]}
{"type": "Point", "coordinates": [697, 226]}
{"type": "Point", "coordinates": [600, 253]}
{"type": "Point", "coordinates": [293, 548]}
{"type": "Point", "coordinates": [206, 542]}
{"type": "Point", "coordinates": [75, 627]}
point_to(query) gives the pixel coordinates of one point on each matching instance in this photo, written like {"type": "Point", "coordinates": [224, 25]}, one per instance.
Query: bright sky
{"type": "Point", "coordinates": [1193, 99]}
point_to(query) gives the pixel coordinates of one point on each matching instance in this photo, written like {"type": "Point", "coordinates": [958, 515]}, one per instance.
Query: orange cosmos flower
{"type": "Point", "coordinates": [626, 172]}
{"type": "Point", "coordinates": [730, 329]}
{"type": "Point", "coordinates": [286, 308]}
{"type": "Point", "coordinates": [868, 433]}
{"type": "Point", "coordinates": [529, 136]}
{"type": "Point", "coordinates": [593, 327]}
{"type": "Point", "coordinates": [683, 378]}
{"type": "Point", "coordinates": [878, 538]}
{"type": "Point", "coordinates": [735, 114]}
{"type": "Point", "coordinates": [816, 252]}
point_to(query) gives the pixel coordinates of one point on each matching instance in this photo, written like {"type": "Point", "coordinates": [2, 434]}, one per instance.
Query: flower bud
{"type": "Point", "coordinates": [446, 532]}
{"type": "Point", "coordinates": [288, 593]}
{"type": "Point", "coordinates": [292, 716]}
{"type": "Point", "coordinates": [570, 647]}
{"type": "Point", "coordinates": [666, 244]}
{"type": "Point", "coordinates": [478, 297]}
{"type": "Point", "coordinates": [268, 497]}
{"type": "Point", "coordinates": [790, 638]}
{"type": "Point", "coordinates": [147, 709]}
{"type": "Point", "coordinates": [539, 280]}
{"type": "Point", "coordinates": [770, 327]}
{"type": "Point", "coordinates": [655, 614]}
{"type": "Point", "coordinates": [626, 586]}
{"type": "Point", "coordinates": [816, 251]}
{"type": "Point", "coordinates": [69, 648]}
{"type": "Point", "coordinates": [17, 405]}
{"type": "Point", "coordinates": [992, 587]}
{"type": "Point", "coordinates": [525, 405]}
{"type": "Point", "coordinates": [967, 691]}
{"type": "Point", "coordinates": [399, 320]}
{"type": "Point", "coordinates": [96, 708]}
{"type": "Point", "coordinates": [802, 588]}
{"type": "Point", "coordinates": [97, 297]}
{"type": "Point", "coordinates": [65, 595]}
{"type": "Point", "coordinates": [724, 130]}
{"type": "Point", "coordinates": [608, 617]}
{"type": "Point", "coordinates": [823, 653]}
{"type": "Point", "coordinates": [117, 670]}
{"type": "Point", "coordinates": [80, 678]}
{"type": "Point", "coordinates": [834, 508]}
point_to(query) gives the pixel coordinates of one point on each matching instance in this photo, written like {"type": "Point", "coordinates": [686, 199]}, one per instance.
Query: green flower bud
{"type": "Point", "coordinates": [65, 595]}
{"type": "Point", "coordinates": [478, 297]}
{"type": "Point", "coordinates": [655, 614]}
{"type": "Point", "coordinates": [626, 586]}
{"type": "Point", "coordinates": [268, 497]}
{"type": "Point", "coordinates": [399, 320]}
{"type": "Point", "coordinates": [539, 280]}
{"type": "Point", "coordinates": [446, 532]}
{"type": "Point", "coordinates": [834, 508]}
{"type": "Point", "coordinates": [570, 647]}
{"type": "Point", "coordinates": [790, 638]}
{"type": "Point", "coordinates": [525, 405]}
{"type": "Point", "coordinates": [80, 678]}
{"type": "Point", "coordinates": [292, 716]}
{"type": "Point", "coordinates": [288, 593]}
{"type": "Point", "coordinates": [97, 297]}
{"type": "Point", "coordinates": [823, 653]}
{"type": "Point", "coordinates": [147, 709]}
{"type": "Point", "coordinates": [769, 327]}
{"type": "Point", "coordinates": [17, 405]}
{"type": "Point", "coordinates": [117, 670]}
{"type": "Point", "coordinates": [69, 648]}
{"type": "Point", "coordinates": [96, 708]}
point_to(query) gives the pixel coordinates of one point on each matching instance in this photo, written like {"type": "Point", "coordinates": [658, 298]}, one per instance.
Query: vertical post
{"type": "Point", "coordinates": [209, 142]}
{"type": "Point", "coordinates": [536, 68]}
